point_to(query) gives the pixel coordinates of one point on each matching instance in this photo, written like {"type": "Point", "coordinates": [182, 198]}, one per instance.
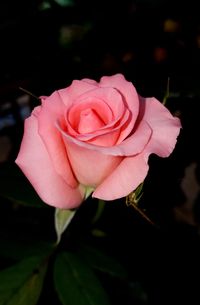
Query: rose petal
{"type": "Point", "coordinates": [127, 90]}
{"type": "Point", "coordinates": [107, 139]}
{"type": "Point", "coordinates": [77, 87]}
{"type": "Point", "coordinates": [166, 128]}
{"type": "Point", "coordinates": [110, 96]}
{"type": "Point", "coordinates": [108, 104]}
{"type": "Point", "coordinates": [90, 81]}
{"type": "Point", "coordinates": [124, 179]}
{"type": "Point", "coordinates": [114, 126]}
{"type": "Point", "coordinates": [51, 109]}
{"type": "Point", "coordinates": [89, 121]}
{"type": "Point", "coordinates": [133, 145]}
{"type": "Point", "coordinates": [34, 161]}
{"type": "Point", "coordinates": [90, 167]}
{"type": "Point", "coordinates": [133, 170]}
{"type": "Point", "coordinates": [74, 113]}
{"type": "Point", "coordinates": [105, 136]}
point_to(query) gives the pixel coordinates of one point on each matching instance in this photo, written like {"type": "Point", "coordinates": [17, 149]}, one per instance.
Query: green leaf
{"type": "Point", "coordinates": [19, 250]}
{"type": "Point", "coordinates": [62, 220]}
{"type": "Point", "coordinates": [65, 2]}
{"type": "Point", "coordinates": [15, 187]}
{"type": "Point", "coordinates": [22, 283]}
{"type": "Point", "coordinates": [102, 262]}
{"type": "Point", "coordinates": [75, 282]}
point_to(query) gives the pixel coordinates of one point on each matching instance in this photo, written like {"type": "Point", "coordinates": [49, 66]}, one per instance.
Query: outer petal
{"type": "Point", "coordinates": [133, 170]}
{"type": "Point", "coordinates": [53, 108]}
{"type": "Point", "coordinates": [124, 179]}
{"type": "Point", "coordinates": [127, 90]}
{"type": "Point", "coordinates": [90, 167]}
{"type": "Point", "coordinates": [77, 87]}
{"type": "Point", "coordinates": [165, 127]}
{"type": "Point", "coordinates": [34, 161]}
{"type": "Point", "coordinates": [90, 81]}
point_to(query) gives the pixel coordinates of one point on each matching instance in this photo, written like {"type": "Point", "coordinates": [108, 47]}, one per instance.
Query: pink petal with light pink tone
{"type": "Point", "coordinates": [166, 128]}
{"type": "Point", "coordinates": [130, 96]}
{"type": "Point", "coordinates": [124, 179]}
{"type": "Point", "coordinates": [51, 109]}
{"type": "Point", "coordinates": [133, 170]}
{"type": "Point", "coordinates": [34, 161]}
{"type": "Point", "coordinates": [114, 126]}
{"type": "Point", "coordinates": [77, 88]}
{"type": "Point", "coordinates": [113, 118]}
{"type": "Point", "coordinates": [90, 81]}
{"type": "Point", "coordinates": [110, 96]}
{"type": "Point", "coordinates": [106, 137]}
{"type": "Point", "coordinates": [89, 121]}
{"type": "Point", "coordinates": [106, 140]}
{"type": "Point", "coordinates": [133, 145]}
{"type": "Point", "coordinates": [74, 113]}
{"type": "Point", "coordinates": [90, 167]}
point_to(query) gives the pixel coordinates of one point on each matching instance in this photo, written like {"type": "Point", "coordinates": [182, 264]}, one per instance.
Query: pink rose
{"type": "Point", "coordinates": [94, 136]}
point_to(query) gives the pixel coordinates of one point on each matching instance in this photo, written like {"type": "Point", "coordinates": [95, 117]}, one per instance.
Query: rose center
{"type": "Point", "coordinates": [89, 121]}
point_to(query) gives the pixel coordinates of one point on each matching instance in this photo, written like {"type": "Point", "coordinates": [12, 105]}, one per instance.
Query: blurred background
{"type": "Point", "coordinates": [47, 44]}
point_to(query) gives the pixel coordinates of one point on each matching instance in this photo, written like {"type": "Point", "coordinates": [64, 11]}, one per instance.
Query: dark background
{"type": "Point", "coordinates": [44, 46]}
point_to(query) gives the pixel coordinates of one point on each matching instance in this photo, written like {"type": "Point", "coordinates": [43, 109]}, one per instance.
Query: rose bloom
{"type": "Point", "coordinates": [94, 136]}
